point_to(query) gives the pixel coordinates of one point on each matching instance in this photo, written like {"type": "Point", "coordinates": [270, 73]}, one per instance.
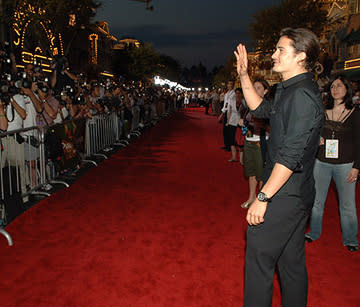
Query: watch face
{"type": "Point", "coordinates": [261, 196]}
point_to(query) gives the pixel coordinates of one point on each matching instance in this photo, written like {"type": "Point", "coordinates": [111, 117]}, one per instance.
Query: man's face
{"type": "Point", "coordinates": [238, 96]}
{"type": "Point", "coordinates": [286, 61]}
{"type": "Point", "coordinates": [230, 85]}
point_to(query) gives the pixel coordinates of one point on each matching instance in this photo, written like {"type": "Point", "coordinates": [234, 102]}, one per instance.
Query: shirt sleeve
{"type": "Point", "coordinates": [301, 116]}
{"type": "Point", "coordinates": [20, 101]}
{"type": "Point", "coordinates": [263, 110]}
{"type": "Point", "coordinates": [225, 107]}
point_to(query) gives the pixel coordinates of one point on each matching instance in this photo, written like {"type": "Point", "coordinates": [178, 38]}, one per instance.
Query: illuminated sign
{"type": "Point", "coordinates": [352, 64]}
{"type": "Point", "coordinates": [93, 38]}
{"type": "Point", "coordinates": [21, 22]}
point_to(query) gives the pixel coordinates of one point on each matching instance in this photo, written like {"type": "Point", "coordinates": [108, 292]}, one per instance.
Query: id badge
{"type": "Point", "coordinates": [332, 149]}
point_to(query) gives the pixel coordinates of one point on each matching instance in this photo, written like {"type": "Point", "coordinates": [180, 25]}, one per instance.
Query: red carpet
{"type": "Point", "coordinates": [158, 224]}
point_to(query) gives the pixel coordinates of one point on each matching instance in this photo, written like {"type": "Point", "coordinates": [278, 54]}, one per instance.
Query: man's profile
{"type": "Point", "coordinates": [277, 218]}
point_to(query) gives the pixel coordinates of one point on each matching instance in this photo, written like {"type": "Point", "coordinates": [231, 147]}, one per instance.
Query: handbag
{"type": "Point", "coordinates": [33, 141]}
{"type": "Point", "coordinates": [19, 138]}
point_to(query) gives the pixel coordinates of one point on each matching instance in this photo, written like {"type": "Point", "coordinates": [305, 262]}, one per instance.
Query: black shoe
{"type": "Point", "coordinates": [308, 239]}
{"type": "Point", "coordinates": [352, 248]}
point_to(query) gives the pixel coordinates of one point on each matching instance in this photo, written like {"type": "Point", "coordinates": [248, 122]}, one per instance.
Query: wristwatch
{"type": "Point", "coordinates": [263, 197]}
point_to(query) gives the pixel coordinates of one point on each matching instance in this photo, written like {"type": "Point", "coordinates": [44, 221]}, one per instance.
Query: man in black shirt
{"type": "Point", "coordinates": [277, 218]}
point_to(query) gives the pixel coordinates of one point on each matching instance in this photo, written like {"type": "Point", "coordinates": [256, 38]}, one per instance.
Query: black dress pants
{"type": "Point", "coordinates": [226, 134]}
{"type": "Point", "coordinates": [279, 241]}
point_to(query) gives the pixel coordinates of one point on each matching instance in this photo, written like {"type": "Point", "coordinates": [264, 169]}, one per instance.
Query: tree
{"type": "Point", "coordinates": [225, 73]}
{"type": "Point", "coordinates": [169, 68]}
{"type": "Point", "coordinates": [295, 13]}
{"type": "Point", "coordinates": [137, 63]}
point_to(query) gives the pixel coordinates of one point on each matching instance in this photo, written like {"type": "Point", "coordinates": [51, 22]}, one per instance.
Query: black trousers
{"type": "Point", "coordinates": [278, 242]}
{"type": "Point", "coordinates": [226, 133]}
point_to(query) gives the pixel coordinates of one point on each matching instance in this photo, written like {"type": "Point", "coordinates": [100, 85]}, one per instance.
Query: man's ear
{"type": "Point", "coordinates": [301, 57]}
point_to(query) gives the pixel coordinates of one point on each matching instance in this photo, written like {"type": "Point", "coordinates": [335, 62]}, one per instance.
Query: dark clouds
{"type": "Point", "coordinates": [191, 31]}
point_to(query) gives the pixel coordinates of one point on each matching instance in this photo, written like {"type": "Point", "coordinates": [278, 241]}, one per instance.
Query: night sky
{"type": "Point", "coordinates": [191, 31]}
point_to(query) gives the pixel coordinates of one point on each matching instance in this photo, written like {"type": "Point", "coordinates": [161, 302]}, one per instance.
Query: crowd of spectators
{"type": "Point", "coordinates": [338, 155]}
{"type": "Point", "coordinates": [31, 97]}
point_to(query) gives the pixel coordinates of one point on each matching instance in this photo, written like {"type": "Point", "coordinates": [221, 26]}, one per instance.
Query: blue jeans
{"type": "Point", "coordinates": [323, 172]}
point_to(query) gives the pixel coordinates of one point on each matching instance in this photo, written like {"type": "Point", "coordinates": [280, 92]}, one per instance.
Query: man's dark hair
{"type": "Point", "coordinates": [329, 100]}
{"type": "Point", "coordinates": [303, 40]}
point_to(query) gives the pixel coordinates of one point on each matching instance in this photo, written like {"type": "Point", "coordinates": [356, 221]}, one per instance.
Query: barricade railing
{"type": "Point", "coordinates": [28, 161]}
{"type": "Point", "coordinates": [22, 158]}
{"type": "Point", "coordinates": [100, 134]}
{"type": "Point", "coordinates": [22, 167]}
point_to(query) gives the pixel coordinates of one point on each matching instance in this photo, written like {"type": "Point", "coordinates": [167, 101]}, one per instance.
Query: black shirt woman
{"type": "Point", "coordinates": [338, 158]}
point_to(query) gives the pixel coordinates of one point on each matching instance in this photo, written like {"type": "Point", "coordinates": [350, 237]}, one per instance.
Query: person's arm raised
{"type": "Point", "coordinates": [252, 99]}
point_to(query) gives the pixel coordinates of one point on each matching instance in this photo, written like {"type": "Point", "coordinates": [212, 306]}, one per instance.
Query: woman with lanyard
{"type": "Point", "coordinates": [338, 158]}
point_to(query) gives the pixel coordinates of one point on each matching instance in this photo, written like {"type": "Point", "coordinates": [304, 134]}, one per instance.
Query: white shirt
{"type": "Point", "coordinates": [215, 97]}
{"type": "Point", "coordinates": [31, 113]}
{"type": "Point", "coordinates": [14, 119]}
{"type": "Point", "coordinates": [229, 98]}
{"type": "Point", "coordinates": [235, 114]}
{"type": "Point", "coordinates": [58, 119]}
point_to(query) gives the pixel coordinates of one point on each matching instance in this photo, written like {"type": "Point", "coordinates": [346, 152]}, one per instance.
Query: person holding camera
{"type": "Point", "coordinates": [13, 153]}
{"type": "Point", "coordinates": [61, 76]}
{"type": "Point", "coordinates": [48, 108]}
{"type": "Point", "coordinates": [93, 97]}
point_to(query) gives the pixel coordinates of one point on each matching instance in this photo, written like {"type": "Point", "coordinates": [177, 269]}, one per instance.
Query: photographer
{"type": "Point", "coordinates": [48, 109]}
{"type": "Point", "coordinates": [31, 144]}
{"type": "Point", "coordinates": [61, 76]}
{"type": "Point", "coordinates": [13, 152]}
{"type": "Point", "coordinates": [92, 99]}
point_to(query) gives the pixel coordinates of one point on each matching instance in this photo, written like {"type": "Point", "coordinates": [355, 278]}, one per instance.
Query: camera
{"type": "Point", "coordinates": [60, 63]}
{"type": "Point", "coordinates": [5, 51]}
{"type": "Point", "coordinates": [80, 100]}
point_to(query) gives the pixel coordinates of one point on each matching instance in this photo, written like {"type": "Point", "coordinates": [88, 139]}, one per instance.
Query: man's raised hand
{"type": "Point", "coordinates": [241, 60]}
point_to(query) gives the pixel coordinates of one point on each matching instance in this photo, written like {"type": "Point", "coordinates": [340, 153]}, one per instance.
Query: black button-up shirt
{"type": "Point", "coordinates": [296, 117]}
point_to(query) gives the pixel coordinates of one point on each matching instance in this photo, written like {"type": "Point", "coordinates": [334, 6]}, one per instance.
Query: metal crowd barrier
{"type": "Point", "coordinates": [23, 150]}
{"type": "Point", "coordinates": [100, 134]}
{"type": "Point", "coordinates": [22, 166]}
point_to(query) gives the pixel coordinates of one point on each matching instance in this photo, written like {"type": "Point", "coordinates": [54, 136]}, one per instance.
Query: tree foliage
{"type": "Point", "coordinates": [169, 68]}
{"type": "Point", "coordinates": [270, 21]}
{"type": "Point", "coordinates": [225, 73]}
{"type": "Point", "coordinates": [144, 62]}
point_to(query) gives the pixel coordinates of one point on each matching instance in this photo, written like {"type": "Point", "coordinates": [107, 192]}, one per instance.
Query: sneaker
{"type": "Point", "coordinates": [352, 248]}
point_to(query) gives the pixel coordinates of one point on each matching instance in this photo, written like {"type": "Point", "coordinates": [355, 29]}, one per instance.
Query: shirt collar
{"type": "Point", "coordinates": [296, 79]}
